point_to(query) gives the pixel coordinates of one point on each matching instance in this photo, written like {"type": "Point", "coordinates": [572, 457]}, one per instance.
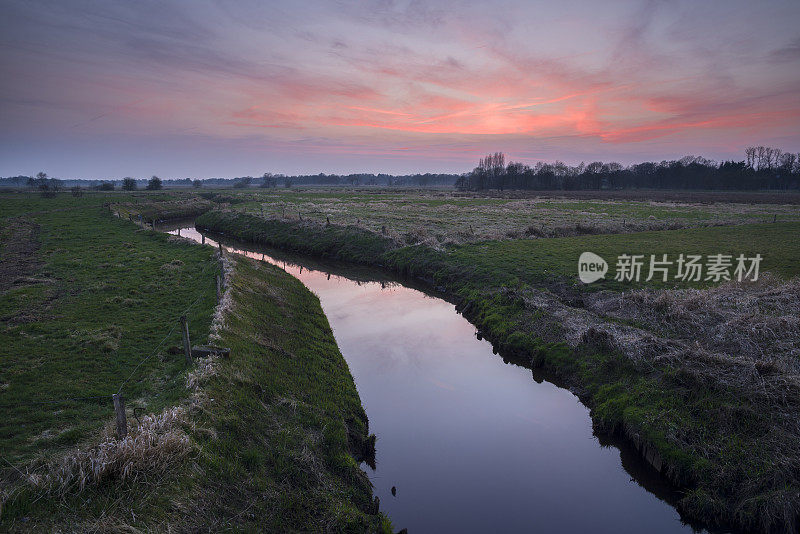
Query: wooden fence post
{"type": "Point", "coordinates": [187, 347]}
{"type": "Point", "coordinates": [122, 422]}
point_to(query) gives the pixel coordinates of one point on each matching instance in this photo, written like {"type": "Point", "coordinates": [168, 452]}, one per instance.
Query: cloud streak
{"type": "Point", "coordinates": [396, 86]}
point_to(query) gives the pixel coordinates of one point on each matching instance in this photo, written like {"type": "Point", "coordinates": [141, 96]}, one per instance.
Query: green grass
{"type": "Point", "coordinates": [109, 293]}
{"type": "Point", "coordinates": [537, 261]}
{"type": "Point", "coordinates": [519, 261]}
{"type": "Point", "coordinates": [275, 436]}
{"type": "Point", "coordinates": [287, 416]}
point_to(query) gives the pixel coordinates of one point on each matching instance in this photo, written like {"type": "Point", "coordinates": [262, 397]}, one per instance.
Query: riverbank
{"type": "Point", "coordinates": [279, 425]}
{"type": "Point", "coordinates": [715, 420]}
{"type": "Point", "coordinates": [266, 439]}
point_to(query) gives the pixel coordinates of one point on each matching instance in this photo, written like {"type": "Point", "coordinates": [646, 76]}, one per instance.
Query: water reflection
{"type": "Point", "coordinates": [470, 444]}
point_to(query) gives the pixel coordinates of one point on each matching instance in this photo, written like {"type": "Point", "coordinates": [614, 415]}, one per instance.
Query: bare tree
{"type": "Point", "coordinates": [750, 155]}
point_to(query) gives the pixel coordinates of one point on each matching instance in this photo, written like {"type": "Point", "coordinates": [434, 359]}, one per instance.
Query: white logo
{"type": "Point", "coordinates": [591, 267]}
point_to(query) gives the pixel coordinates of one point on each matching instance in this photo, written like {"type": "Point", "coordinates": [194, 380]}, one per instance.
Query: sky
{"type": "Point", "coordinates": [204, 89]}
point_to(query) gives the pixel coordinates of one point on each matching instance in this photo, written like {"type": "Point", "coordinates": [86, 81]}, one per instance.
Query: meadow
{"type": "Point", "coordinates": [86, 298]}
{"type": "Point", "coordinates": [89, 305]}
{"type": "Point", "coordinates": [698, 376]}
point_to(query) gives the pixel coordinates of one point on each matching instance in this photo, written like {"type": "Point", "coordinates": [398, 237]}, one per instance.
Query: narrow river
{"type": "Point", "coordinates": [470, 444]}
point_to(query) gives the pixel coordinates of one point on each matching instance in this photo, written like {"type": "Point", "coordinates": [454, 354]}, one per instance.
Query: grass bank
{"type": "Point", "coordinates": [267, 439]}
{"type": "Point", "coordinates": [141, 208]}
{"type": "Point", "coordinates": [703, 381]}
{"type": "Point", "coordinates": [285, 426]}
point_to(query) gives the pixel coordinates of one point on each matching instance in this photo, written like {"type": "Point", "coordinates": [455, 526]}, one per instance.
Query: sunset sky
{"type": "Point", "coordinates": [207, 89]}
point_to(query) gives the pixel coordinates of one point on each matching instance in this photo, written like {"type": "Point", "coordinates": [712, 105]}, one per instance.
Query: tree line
{"type": "Point", "coordinates": [267, 180]}
{"type": "Point", "coordinates": [763, 168]}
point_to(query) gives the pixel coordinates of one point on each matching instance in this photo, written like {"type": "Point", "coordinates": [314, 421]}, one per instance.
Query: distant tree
{"type": "Point", "coordinates": [287, 183]}
{"type": "Point", "coordinates": [48, 187]}
{"type": "Point", "coordinates": [106, 186]}
{"type": "Point", "coordinates": [129, 184]}
{"type": "Point", "coordinates": [243, 183]}
{"type": "Point", "coordinates": [154, 184]}
{"type": "Point", "coordinates": [197, 184]}
{"type": "Point", "coordinates": [269, 180]}
{"type": "Point", "coordinates": [787, 162]}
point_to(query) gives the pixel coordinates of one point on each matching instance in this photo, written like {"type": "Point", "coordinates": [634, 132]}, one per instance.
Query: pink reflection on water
{"type": "Point", "coordinates": [472, 444]}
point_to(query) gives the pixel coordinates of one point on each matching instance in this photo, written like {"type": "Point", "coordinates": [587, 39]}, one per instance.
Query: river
{"type": "Point", "coordinates": [469, 442]}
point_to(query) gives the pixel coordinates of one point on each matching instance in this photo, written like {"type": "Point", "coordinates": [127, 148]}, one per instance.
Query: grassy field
{"type": "Point", "coordinates": [85, 298]}
{"type": "Point", "coordinates": [265, 439]}
{"type": "Point", "coordinates": [440, 217]}
{"type": "Point", "coordinates": [703, 379]}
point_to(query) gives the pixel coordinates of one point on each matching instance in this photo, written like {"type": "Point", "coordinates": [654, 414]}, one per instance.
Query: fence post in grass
{"type": "Point", "coordinates": [775, 217]}
{"type": "Point", "coordinates": [328, 220]}
{"type": "Point", "coordinates": [187, 348]}
{"type": "Point", "coordinates": [383, 229]}
{"type": "Point", "coordinates": [262, 210]}
{"type": "Point", "coordinates": [122, 422]}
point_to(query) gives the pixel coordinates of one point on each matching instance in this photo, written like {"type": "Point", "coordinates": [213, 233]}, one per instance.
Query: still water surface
{"type": "Point", "coordinates": [470, 443]}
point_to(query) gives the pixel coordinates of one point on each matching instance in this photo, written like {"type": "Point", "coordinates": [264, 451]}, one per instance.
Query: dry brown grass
{"type": "Point", "coordinates": [738, 347]}
{"type": "Point", "coordinates": [152, 445]}
{"type": "Point", "coordinates": [440, 217]}
{"type": "Point", "coordinates": [757, 321]}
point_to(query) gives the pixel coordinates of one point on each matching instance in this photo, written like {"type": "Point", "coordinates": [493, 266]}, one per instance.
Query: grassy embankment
{"type": "Point", "coordinates": [719, 423]}
{"type": "Point", "coordinates": [144, 209]}
{"type": "Point", "coordinates": [263, 440]}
